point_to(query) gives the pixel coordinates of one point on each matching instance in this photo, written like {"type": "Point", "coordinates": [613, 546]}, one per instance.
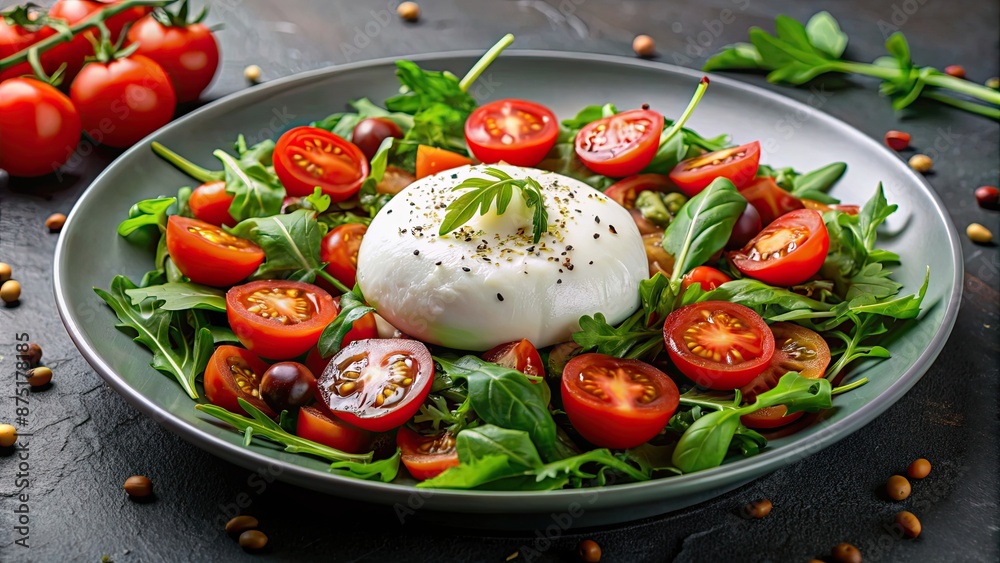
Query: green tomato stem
{"type": "Point", "coordinates": [480, 66]}
{"type": "Point", "coordinates": [971, 107]}
{"type": "Point", "coordinates": [333, 281]}
{"type": "Point", "coordinates": [966, 87]}
{"type": "Point", "coordinates": [203, 175]}
{"type": "Point", "coordinates": [679, 124]}
{"type": "Point", "coordinates": [849, 387]}
{"type": "Point", "coordinates": [93, 21]}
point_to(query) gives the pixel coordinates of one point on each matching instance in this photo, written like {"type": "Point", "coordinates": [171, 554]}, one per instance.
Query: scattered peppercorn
{"type": "Point", "coordinates": [993, 83]}
{"type": "Point", "coordinates": [958, 71]}
{"type": "Point", "coordinates": [55, 222]}
{"type": "Point", "coordinates": [897, 487]}
{"type": "Point", "coordinates": [988, 197]}
{"type": "Point", "coordinates": [39, 377]}
{"type": "Point", "coordinates": [253, 540]}
{"type": "Point", "coordinates": [240, 524]}
{"type": "Point", "coordinates": [644, 46]}
{"type": "Point", "coordinates": [10, 291]}
{"type": "Point", "coordinates": [500, 297]}
{"type": "Point", "coordinates": [897, 140]}
{"type": "Point", "coordinates": [758, 508]}
{"type": "Point", "coordinates": [921, 163]}
{"type": "Point", "coordinates": [976, 232]}
{"type": "Point", "coordinates": [845, 553]}
{"type": "Point", "coordinates": [138, 486]}
{"type": "Point", "coordinates": [252, 73]}
{"type": "Point", "coordinates": [589, 551]}
{"type": "Point", "coordinates": [409, 11]}
{"type": "Point", "coordinates": [909, 523]}
{"type": "Point", "coordinates": [8, 435]}
{"type": "Point", "coordinates": [5, 272]}
{"type": "Point", "coordinates": [34, 354]}
{"type": "Point", "coordinates": [416, 253]}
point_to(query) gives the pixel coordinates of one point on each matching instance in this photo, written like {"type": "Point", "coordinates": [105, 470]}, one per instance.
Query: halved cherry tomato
{"type": "Point", "coordinates": [520, 355]}
{"type": "Point", "coordinates": [719, 345]}
{"type": "Point", "coordinates": [706, 276]}
{"type": "Point", "coordinates": [234, 373]}
{"type": "Point", "coordinates": [660, 261]}
{"type": "Point", "coordinates": [279, 319]}
{"type": "Point", "coordinates": [362, 329]}
{"type": "Point", "coordinates": [738, 164]}
{"type": "Point", "coordinates": [823, 208]}
{"type": "Point", "coordinates": [617, 403]}
{"type": "Point", "coordinates": [394, 179]}
{"type": "Point", "coordinates": [788, 251]}
{"type": "Point", "coordinates": [210, 203]}
{"type": "Point", "coordinates": [309, 157]}
{"type": "Point", "coordinates": [378, 384]}
{"type": "Point", "coordinates": [426, 457]}
{"type": "Point", "coordinates": [796, 349]}
{"type": "Point", "coordinates": [746, 227]}
{"type": "Point", "coordinates": [208, 255]}
{"type": "Point", "coordinates": [318, 425]}
{"type": "Point", "coordinates": [339, 249]}
{"type": "Point", "coordinates": [626, 191]}
{"type": "Point", "coordinates": [769, 199]}
{"type": "Point", "coordinates": [517, 132]}
{"type": "Point", "coordinates": [369, 133]}
{"type": "Point", "coordinates": [431, 160]}
{"type": "Point", "coordinates": [621, 144]}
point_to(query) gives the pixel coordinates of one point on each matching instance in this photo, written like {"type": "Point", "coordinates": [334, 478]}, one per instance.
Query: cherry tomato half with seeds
{"type": "Point", "coordinates": [706, 276]}
{"type": "Point", "coordinates": [797, 349]}
{"type": "Point", "coordinates": [279, 319]}
{"type": "Point", "coordinates": [235, 373]}
{"type": "Point", "coordinates": [770, 201]}
{"type": "Point", "coordinates": [738, 164]}
{"type": "Point", "coordinates": [362, 329]}
{"type": "Point", "coordinates": [318, 425]}
{"type": "Point", "coordinates": [210, 203]}
{"type": "Point", "coordinates": [789, 251]}
{"type": "Point", "coordinates": [339, 249]}
{"type": "Point", "coordinates": [306, 157]}
{"type": "Point", "coordinates": [287, 385]}
{"type": "Point", "coordinates": [622, 144]}
{"type": "Point", "coordinates": [426, 457]}
{"type": "Point", "coordinates": [823, 208]}
{"type": "Point", "coordinates": [39, 127]}
{"type": "Point", "coordinates": [617, 403]}
{"type": "Point", "coordinates": [189, 54]}
{"type": "Point", "coordinates": [209, 255]}
{"type": "Point", "coordinates": [378, 384]}
{"type": "Point", "coordinates": [517, 132]}
{"type": "Point", "coordinates": [520, 355]}
{"type": "Point", "coordinates": [369, 133]}
{"type": "Point", "coordinates": [717, 344]}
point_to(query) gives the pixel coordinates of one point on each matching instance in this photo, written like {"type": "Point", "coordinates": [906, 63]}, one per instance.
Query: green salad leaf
{"type": "Point", "coordinates": [702, 227]}
{"type": "Point", "coordinates": [352, 308]}
{"type": "Point", "coordinates": [256, 191]}
{"type": "Point", "coordinates": [180, 296]}
{"type": "Point", "coordinates": [290, 243]}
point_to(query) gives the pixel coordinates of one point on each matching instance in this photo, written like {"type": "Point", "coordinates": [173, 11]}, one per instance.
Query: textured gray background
{"type": "Point", "coordinates": [88, 440]}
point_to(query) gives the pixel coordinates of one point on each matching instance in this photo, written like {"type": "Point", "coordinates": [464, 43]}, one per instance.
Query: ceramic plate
{"type": "Point", "coordinates": [90, 253]}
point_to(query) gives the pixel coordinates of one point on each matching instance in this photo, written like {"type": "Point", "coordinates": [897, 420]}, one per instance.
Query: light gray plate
{"type": "Point", "coordinates": [791, 134]}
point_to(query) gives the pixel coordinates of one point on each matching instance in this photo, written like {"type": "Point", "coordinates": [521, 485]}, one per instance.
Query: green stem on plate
{"type": "Point", "coordinates": [490, 56]}
{"type": "Point", "coordinates": [333, 281]}
{"type": "Point", "coordinates": [679, 124]}
{"type": "Point", "coordinates": [849, 387]}
{"type": "Point", "coordinates": [966, 105]}
{"type": "Point", "coordinates": [186, 166]}
{"type": "Point", "coordinates": [966, 87]}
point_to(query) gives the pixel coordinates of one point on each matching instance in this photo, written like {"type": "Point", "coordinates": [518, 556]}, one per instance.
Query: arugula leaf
{"type": "Point", "coordinates": [368, 197]}
{"type": "Point", "coordinates": [352, 308]}
{"type": "Point", "coordinates": [180, 297]}
{"type": "Point", "coordinates": [262, 153]}
{"type": "Point", "coordinates": [813, 185]}
{"type": "Point", "coordinates": [163, 333]}
{"type": "Point", "coordinates": [439, 125]}
{"type": "Point", "coordinates": [384, 470]}
{"type": "Point", "coordinates": [622, 341]}
{"type": "Point", "coordinates": [256, 191]}
{"type": "Point", "coordinates": [487, 439]}
{"type": "Point", "coordinates": [146, 213]}
{"type": "Point", "coordinates": [825, 34]}
{"type": "Point", "coordinates": [766, 300]}
{"type": "Point", "coordinates": [424, 88]}
{"type": "Point", "coordinates": [291, 244]}
{"type": "Point", "coordinates": [318, 201]}
{"type": "Point", "coordinates": [258, 425]}
{"type": "Point", "coordinates": [498, 193]}
{"type": "Point", "coordinates": [507, 398]}
{"type": "Point", "coordinates": [702, 227]}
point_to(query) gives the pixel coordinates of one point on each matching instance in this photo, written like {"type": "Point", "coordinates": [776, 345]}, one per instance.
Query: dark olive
{"type": "Point", "coordinates": [746, 227]}
{"type": "Point", "coordinates": [589, 551]}
{"type": "Point", "coordinates": [369, 133]}
{"type": "Point", "coordinates": [287, 385]}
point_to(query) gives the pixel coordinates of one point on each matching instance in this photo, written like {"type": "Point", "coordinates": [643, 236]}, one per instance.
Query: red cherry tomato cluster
{"type": "Point", "coordinates": [123, 90]}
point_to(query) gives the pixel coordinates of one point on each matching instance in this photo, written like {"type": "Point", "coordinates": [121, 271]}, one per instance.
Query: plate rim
{"type": "Point", "coordinates": [520, 501]}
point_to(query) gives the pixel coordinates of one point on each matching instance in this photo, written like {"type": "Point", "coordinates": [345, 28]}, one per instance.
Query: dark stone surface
{"type": "Point", "coordinates": [87, 440]}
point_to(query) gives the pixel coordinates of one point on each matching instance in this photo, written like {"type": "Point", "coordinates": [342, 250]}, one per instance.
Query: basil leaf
{"type": "Point", "coordinates": [180, 296]}
{"type": "Point", "coordinates": [766, 300]}
{"type": "Point", "coordinates": [817, 181]}
{"type": "Point", "coordinates": [825, 34]}
{"type": "Point", "coordinates": [485, 440]}
{"type": "Point", "coordinates": [739, 56]}
{"type": "Point", "coordinates": [797, 393]}
{"type": "Point", "coordinates": [424, 88]}
{"type": "Point", "coordinates": [705, 443]}
{"type": "Point", "coordinates": [256, 192]}
{"type": "Point", "coordinates": [875, 211]}
{"type": "Point", "coordinates": [472, 474]}
{"type": "Point", "coordinates": [163, 333]}
{"type": "Point", "coordinates": [290, 243]}
{"type": "Point", "coordinates": [352, 308]}
{"type": "Point", "coordinates": [145, 213]}
{"type": "Point", "coordinates": [702, 227]}
{"type": "Point", "coordinates": [369, 198]}
{"type": "Point", "coordinates": [384, 470]}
